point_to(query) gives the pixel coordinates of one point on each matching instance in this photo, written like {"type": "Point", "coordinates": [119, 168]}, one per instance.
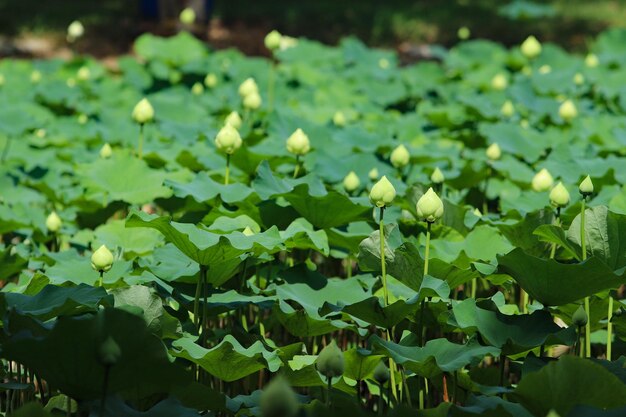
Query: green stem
{"type": "Point", "coordinates": [196, 301]}
{"type": "Point", "coordinates": [427, 249]}
{"type": "Point", "coordinates": [227, 173]}
{"type": "Point", "coordinates": [105, 386]}
{"type": "Point", "coordinates": [581, 351]}
{"type": "Point", "coordinates": [380, 399]}
{"type": "Point", "coordinates": [609, 330]}
{"type": "Point", "coordinates": [557, 222]}
{"type": "Point", "coordinates": [69, 406]}
{"type": "Point", "coordinates": [101, 279]}
{"type": "Point", "coordinates": [5, 151]}
{"type": "Point", "coordinates": [270, 86]}
{"type": "Point", "coordinates": [584, 257]}
{"type": "Point", "coordinates": [383, 264]}
{"type": "Point", "coordinates": [296, 171]}
{"type": "Point", "coordinates": [140, 146]}
{"type": "Point", "coordinates": [330, 387]}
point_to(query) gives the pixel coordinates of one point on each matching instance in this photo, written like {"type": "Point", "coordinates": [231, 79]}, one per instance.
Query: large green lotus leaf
{"type": "Point", "coordinates": [20, 117]}
{"type": "Point", "coordinates": [177, 50]}
{"type": "Point", "coordinates": [166, 408]}
{"type": "Point", "coordinates": [150, 307]}
{"type": "Point", "coordinates": [301, 235]}
{"type": "Point", "coordinates": [371, 311]}
{"type": "Point", "coordinates": [437, 356]}
{"type": "Point", "coordinates": [114, 234]}
{"type": "Point", "coordinates": [32, 410]}
{"type": "Point", "coordinates": [514, 139]}
{"type": "Point", "coordinates": [555, 234]}
{"type": "Point", "coordinates": [521, 233]}
{"type": "Point", "coordinates": [71, 267]}
{"type": "Point", "coordinates": [11, 262]}
{"type": "Point", "coordinates": [53, 301]}
{"type": "Point", "coordinates": [492, 406]}
{"type": "Point", "coordinates": [304, 323]}
{"type": "Point", "coordinates": [123, 177]}
{"type": "Point", "coordinates": [349, 238]}
{"type": "Point", "coordinates": [511, 333]}
{"type": "Point", "coordinates": [204, 246]}
{"type": "Point", "coordinates": [70, 363]}
{"type": "Point", "coordinates": [17, 216]}
{"type": "Point", "coordinates": [302, 372]}
{"type": "Point", "coordinates": [605, 235]}
{"type": "Point", "coordinates": [485, 243]}
{"type": "Point", "coordinates": [553, 283]}
{"type": "Point", "coordinates": [567, 382]}
{"type": "Point", "coordinates": [229, 360]}
{"type": "Point", "coordinates": [202, 188]}
{"type": "Point", "coordinates": [360, 363]}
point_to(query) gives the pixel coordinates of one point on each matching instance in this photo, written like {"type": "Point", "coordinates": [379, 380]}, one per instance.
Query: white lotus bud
{"type": "Point", "coordinates": [188, 16]}
{"type": "Point", "coordinates": [339, 119]}
{"type": "Point", "coordinates": [373, 174]}
{"type": "Point", "coordinates": [507, 109]}
{"type": "Point", "coordinates": [542, 181]}
{"type": "Point", "coordinates": [210, 80]}
{"type": "Point", "coordinates": [272, 40]}
{"type": "Point", "coordinates": [351, 182]}
{"type": "Point", "coordinates": [298, 143]}
{"type": "Point", "coordinates": [493, 152]}
{"type": "Point", "coordinates": [531, 47]}
{"type": "Point", "coordinates": [592, 61]}
{"type": "Point", "coordinates": [228, 139]}
{"type": "Point", "coordinates": [252, 101]}
{"type": "Point", "coordinates": [579, 79]}
{"type": "Point", "coordinates": [559, 196]}
{"type": "Point", "coordinates": [568, 111]}
{"type": "Point", "coordinates": [400, 156]}
{"type": "Point", "coordinates": [35, 77]}
{"type": "Point", "coordinates": [248, 87]}
{"type": "Point", "coordinates": [53, 222]}
{"type": "Point", "coordinates": [429, 207]}
{"type": "Point", "coordinates": [197, 89]}
{"type": "Point", "coordinates": [143, 112]}
{"type": "Point", "coordinates": [586, 186]}
{"type": "Point", "coordinates": [463, 33]}
{"type": "Point", "coordinates": [106, 151]}
{"type": "Point", "coordinates": [75, 30]}
{"type": "Point", "coordinates": [382, 193]}
{"type": "Point", "coordinates": [102, 259]}
{"type": "Point", "coordinates": [234, 120]}
{"type": "Point", "coordinates": [499, 82]}
{"type": "Point", "coordinates": [83, 73]}
{"type": "Point", "coordinates": [437, 176]}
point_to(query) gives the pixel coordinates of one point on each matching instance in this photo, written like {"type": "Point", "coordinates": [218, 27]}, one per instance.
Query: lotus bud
{"type": "Point", "coordinates": [553, 413]}
{"type": "Point", "coordinates": [463, 33]}
{"type": "Point", "coordinates": [109, 352]}
{"type": "Point", "coordinates": [351, 182]}
{"type": "Point", "coordinates": [381, 373]}
{"type": "Point", "coordinates": [493, 152]}
{"type": "Point", "coordinates": [545, 69]}
{"type": "Point", "coordinates": [330, 361]}
{"type": "Point", "coordinates": [542, 181]}
{"type": "Point", "coordinates": [175, 76]}
{"type": "Point", "coordinates": [383, 63]}
{"type": "Point", "coordinates": [559, 196]}
{"type": "Point", "coordinates": [83, 119]}
{"type": "Point", "coordinates": [400, 157]}
{"type": "Point", "coordinates": [2, 80]}
{"type": "Point", "coordinates": [102, 259]}
{"type": "Point", "coordinates": [197, 89]}
{"type": "Point", "coordinates": [507, 109]}
{"type": "Point", "coordinates": [53, 222]}
{"type": "Point", "coordinates": [143, 112]}
{"type": "Point", "coordinates": [339, 119]}
{"type": "Point", "coordinates": [35, 77]}
{"type": "Point", "coordinates": [298, 143]}
{"type": "Point", "coordinates": [531, 47]}
{"type": "Point", "coordinates": [382, 193]}
{"type": "Point", "coordinates": [586, 186]}
{"type": "Point", "coordinates": [437, 176]}
{"type": "Point", "coordinates": [373, 174]}
{"type": "Point", "coordinates": [592, 61]}
{"type": "Point", "coordinates": [247, 231]}
{"type": "Point", "coordinates": [187, 16]}
{"type": "Point", "coordinates": [579, 318]}
{"type": "Point", "coordinates": [278, 399]}
{"type": "Point", "coordinates": [477, 212]}
{"type": "Point", "coordinates": [429, 206]}
{"type": "Point", "coordinates": [228, 139]}
{"type": "Point", "coordinates": [499, 82]}
{"type": "Point", "coordinates": [568, 111]}
{"type": "Point", "coordinates": [83, 73]}
{"type": "Point", "coordinates": [40, 133]}
{"type": "Point", "coordinates": [210, 80]}
{"type": "Point", "coordinates": [106, 151]}
{"type": "Point", "coordinates": [526, 70]}
{"type": "Point", "coordinates": [234, 120]}
{"type": "Point", "coordinates": [248, 87]}
{"type": "Point", "coordinates": [75, 30]}
{"type": "Point", "coordinates": [272, 40]}
{"type": "Point", "coordinates": [252, 101]}
{"type": "Point", "coordinates": [524, 123]}
{"type": "Point", "coordinates": [579, 79]}
{"type": "Point", "coordinates": [287, 42]}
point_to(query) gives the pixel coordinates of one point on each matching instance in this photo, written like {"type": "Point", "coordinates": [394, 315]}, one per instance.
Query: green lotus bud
{"type": "Point", "coordinates": [579, 79]}
{"type": "Point", "coordinates": [83, 73]}
{"type": "Point", "coordinates": [298, 143]}
{"type": "Point", "coordinates": [493, 152]}
{"type": "Point", "coordinates": [75, 30]}
{"type": "Point", "coordinates": [524, 123]}
{"type": "Point", "coordinates": [545, 69]}
{"type": "Point", "coordinates": [552, 413]}
{"type": "Point", "coordinates": [463, 33]}
{"type": "Point", "coordinates": [580, 317]}
{"type": "Point", "coordinates": [272, 40]}
{"type": "Point", "coordinates": [383, 63]}
{"type": "Point", "coordinates": [339, 119]}
{"type": "Point", "coordinates": [83, 119]}
{"type": "Point", "coordinates": [507, 109]}
{"type": "Point", "coordinates": [197, 89]}
{"type": "Point", "coordinates": [106, 151]}
{"type": "Point", "coordinates": [542, 181]}
{"type": "Point", "coordinates": [210, 80]}
{"type": "Point", "coordinates": [109, 352]}
{"type": "Point", "coordinates": [40, 133]}
{"type": "Point", "coordinates": [531, 47]}
{"type": "Point", "coordinates": [499, 82]}
{"type": "Point", "coordinates": [287, 42]}
{"type": "Point", "coordinates": [175, 76]}
{"type": "Point", "coordinates": [351, 182]}
{"type": "Point", "coordinates": [2, 80]}
{"type": "Point", "coordinates": [228, 139]}
{"type": "Point", "coordinates": [102, 259]}
{"type": "Point", "coordinates": [278, 399]}
{"type": "Point", "coordinates": [400, 156]}
{"type": "Point", "coordinates": [437, 176]}
{"type": "Point", "coordinates": [381, 373]}
{"type": "Point", "coordinates": [477, 212]}
{"type": "Point", "coordinates": [526, 70]}
{"type": "Point", "coordinates": [252, 101]}
{"type": "Point", "coordinates": [53, 222]}
{"type": "Point", "coordinates": [35, 77]}
{"type": "Point", "coordinates": [429, 206]}
{"type": "Point", "coordinates": [234, 120]}
{"type": "Point", "coordinates": [559, 196]}
{"type": "Point", "coordinates": [568, 111]}
{"type": "Point", "coordinates": [373, 174]}
{"type": "Point", "coordinates": [382, 193]}
{"type": "Point", "coordinates": [586, 186]}
{"type": "Point", "coordinates": [592, 61]}
{"type": "Point", "coordinates": [330, 361]}
{"type": "Point", "coordinates": [248, 87]}
{"type": "Point", "coordinates": [247, 231]}
{"type": "Point", "coordinates": [187, 16]}
{"type": "Point", "coordinates": [143, 112]}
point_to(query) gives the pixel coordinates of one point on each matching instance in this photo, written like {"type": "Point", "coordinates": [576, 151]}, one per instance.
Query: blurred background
{"type": "Point", "coordinates": [37, 28]}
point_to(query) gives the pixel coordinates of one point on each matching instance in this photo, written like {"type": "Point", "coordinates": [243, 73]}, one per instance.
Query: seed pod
{"type": "Point", "coordinates": [298, 143]}
{"type": "Point", "coordinates": [382, 193]}
{"type": "Point", "coordinates": [234, 120]}
{"type": "Point", "coordinates": [437, 176]}
{"type": "Point", "coordinates": [102, 259]}
{"type": "Point", "coordinates": [580, 317]}
{"type": "Point", "coordinates": [278, 399]}
{"type": "Point", "coordinates": [586, 186]}
{"type": "Point", "coordinates": [542, 181]}
{"type": "Point", "coordinates": [429, 206]}
{"type": "Point", "coordinates": [400, 156]}
{"type": "Point", "coordinates": [559, 196]}
{"type": "Point", "coordinates": [228, 139]}
{"type": "Point", "coordinates": [381, 373]}
{"type": "Point", "coordinates": [568, 111]}
{"type": "Point", "coordinates": [248, 87]}
{"type": "Point", "coordinates": [493, 152]}
{"type": "Point", "coordinates": [143, 112]}
{"type": "Point", "coordinates": [330, 361]}
{"type": "Point", "coordinates": [109, 352]}
{"type": "Point", "coordinates": [272, 40]}
{"type": "Point", "coordinates": [531, 47]}
{"type": "Point", "coordinates": [351, 182]}
{"type": "Point", "coordinates": [53, 222]}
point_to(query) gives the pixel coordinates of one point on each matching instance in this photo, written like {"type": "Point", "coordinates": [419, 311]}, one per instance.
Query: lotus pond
{"type": "Point", "coordinates": [327, 232]}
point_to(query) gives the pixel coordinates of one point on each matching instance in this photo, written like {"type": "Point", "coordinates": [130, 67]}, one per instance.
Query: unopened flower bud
{"type": "Point", "coordinates": [234, 120]}
{"type": "Point", "coordinates": [210, 80]}
{"type": "Point", "coordinates": [400, 157]}
{"type": "Point", "coordinates": [272, 40]}
{"type": "Point", "coordinates": [493, 152]}
{"type": "Point", "coordinates": [102, 259]}
{"type": "Point", "coordinates": [248, 87]}
{"type": "Point", "coordinates": [559, 196]}
{"type": "Point", "coordinates": [429, 206]}
{"type": "Point", "coordinates": [53, 222]}
{"type": "Point", "coordinates": [592, 61]}
{"type": "Point", "coordinates": [507, 109]}
{"type": "Point", "coordinates": [330, 362]}
{"type": "Point", "coordinates": [437, 176]}
{"type": "Point", "coordinates": [351, 182]}
{"type": "Point", "coordinates": [228, 139]}
{"type": "Point", "coordinates": [106, 151]}
{"type": "Point", "coordinates": [542, 181]}
{"type": "Point", "coordinates": [382, 193]}
{"type": "Point", "coordinates": [143, 112]}
{"type": "Point", "coordinates": [531, 47]}
{"type": "Point", "coordinates": [252, 101]}
{"type": "Point", "coordinates": [188, 16]}
{"type": "Point", "coordinates": [75, 30]}
{"type": "Point", "coordinates": [499, 82]}
{"type": "Point", "coordinates": [298, 143]}
{"type": "Point", "coordinates": [586, 186]}
{"type": "Point", "coordinates": [568, 111]}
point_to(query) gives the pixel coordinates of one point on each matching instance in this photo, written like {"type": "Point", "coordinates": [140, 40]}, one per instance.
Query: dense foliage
{"type": "Point", "coordinates": [168, 257]}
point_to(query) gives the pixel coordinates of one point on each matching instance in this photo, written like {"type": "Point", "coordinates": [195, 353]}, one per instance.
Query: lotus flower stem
{"type": "Point", "coordinates": [105, 387]}
{"type": "Point", "coordinates": [205, 306]}
{"type": "Point", "coordinates": [584, 257]}
{"type": "Point", "coordinates": [69, 406]}
{"type": "Point", "coordinates": [101, 279]}
{"type": "Point", "coordinates": [5, 150]}
{"type": "Point", "coordinates": [330, 387]}
{"type": "Point", "coordinates": [380, 399]}
{"type": "Point", "coordinates": [609, 329]}
{"type": "Point", "coordinates": [383, 265]}
{"type": "Point", "coordinates": [271, 83]}
{"type": "Point", "coordinates": [140, 145]}
{"type": "Point", "coordinates": [227, 173]}
{"type": "Point", "coordinates": [296, 170]}
{"type": "Point", "coordinates": [557, 222]}
{"type": "Point", "coordinates": [581, 352]}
